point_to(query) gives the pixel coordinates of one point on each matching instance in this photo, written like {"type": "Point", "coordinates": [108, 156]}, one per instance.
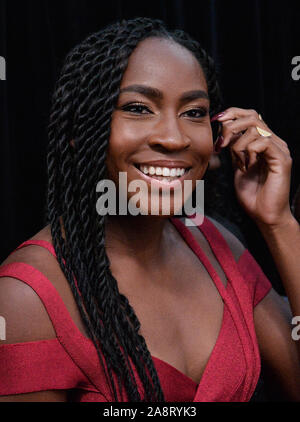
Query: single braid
{"type": "Point", "coordinates": [83, 102]}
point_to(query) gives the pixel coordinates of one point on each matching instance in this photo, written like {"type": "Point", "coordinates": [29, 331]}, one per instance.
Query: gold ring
{"type": "Point", "coordinates": [263, 132]}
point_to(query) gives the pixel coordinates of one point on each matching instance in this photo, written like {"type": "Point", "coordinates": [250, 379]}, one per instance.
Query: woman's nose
{"type": "Point", "coordinates": [168, 135]}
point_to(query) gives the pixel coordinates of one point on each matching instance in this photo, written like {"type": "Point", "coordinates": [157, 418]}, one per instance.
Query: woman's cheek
{"type": "Point", "coordinates": [126, 136]}
{"type": "Point", "coordinates": [204, 147]}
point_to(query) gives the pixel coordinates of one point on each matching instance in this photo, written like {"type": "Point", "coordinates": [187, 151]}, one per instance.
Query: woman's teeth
{"type": "Point", "coordinates": [162, 171]}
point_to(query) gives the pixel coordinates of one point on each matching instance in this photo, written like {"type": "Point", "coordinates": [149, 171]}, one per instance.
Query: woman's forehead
{"type": "Point", "coordinates": [163, 63]}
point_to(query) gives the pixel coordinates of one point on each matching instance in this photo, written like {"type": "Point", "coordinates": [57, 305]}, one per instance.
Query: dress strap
{"type": "Point", "coordinates": [43, 243]}
{"type": "Point", "coordinates": [80, 348]}
{"type": "Point", "coordinates": [54, 305]}
{"type": "Point", "coordinates": [224, 255]}
{"type": "Point", "coordinates": [239, 304]}
{"type": "Point", "coordinates": [25, 368]}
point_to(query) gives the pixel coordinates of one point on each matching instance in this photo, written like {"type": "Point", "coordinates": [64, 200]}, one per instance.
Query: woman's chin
{"type": "Point", "coordinates": [163, 209]}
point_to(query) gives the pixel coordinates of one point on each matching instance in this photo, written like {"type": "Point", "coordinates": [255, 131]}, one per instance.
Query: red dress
{"type": "Point", "coordinates": [70, 361]}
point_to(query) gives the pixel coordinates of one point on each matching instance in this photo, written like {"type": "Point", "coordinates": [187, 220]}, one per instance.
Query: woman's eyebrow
{"type": "Point", "coordinates": [144, 90]}
{"type": "Point", "coordinates": [155, 93]}
{"type": "Point", "coordinates": [194, 95]}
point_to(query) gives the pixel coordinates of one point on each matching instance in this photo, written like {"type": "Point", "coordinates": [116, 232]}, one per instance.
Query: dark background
{"type": "Point", "coordinates": [252, 42]}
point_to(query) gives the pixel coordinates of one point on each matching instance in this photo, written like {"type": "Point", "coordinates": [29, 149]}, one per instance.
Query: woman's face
{"type": "Point", "coordinates": [160, 130]}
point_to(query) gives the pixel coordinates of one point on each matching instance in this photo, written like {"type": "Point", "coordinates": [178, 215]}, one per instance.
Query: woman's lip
{"type": "Point", "coordinates": [165, 163]}
{"type": "Point", "coordinates": [162, 183]}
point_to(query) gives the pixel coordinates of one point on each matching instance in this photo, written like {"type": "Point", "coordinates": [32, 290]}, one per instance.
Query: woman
{"type": "Point", "coordinates": [134, 308]}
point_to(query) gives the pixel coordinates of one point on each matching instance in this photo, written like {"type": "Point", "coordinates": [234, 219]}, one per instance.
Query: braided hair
{"type": "Point", "coordinates": [83, 102]}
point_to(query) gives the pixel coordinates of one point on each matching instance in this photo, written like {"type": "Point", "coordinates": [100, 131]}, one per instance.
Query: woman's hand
{"type": "Point", "coordinates": [262, 182]}
{"type": "Point", "coordinates": [263, 166]}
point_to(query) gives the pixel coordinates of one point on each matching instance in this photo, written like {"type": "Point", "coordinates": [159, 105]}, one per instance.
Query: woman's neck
{"type": "Point", "coordinates": [142, 238]}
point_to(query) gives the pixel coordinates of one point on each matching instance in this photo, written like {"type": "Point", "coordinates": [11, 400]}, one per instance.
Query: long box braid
{"type": "Point", "coordinates": [83, 102]}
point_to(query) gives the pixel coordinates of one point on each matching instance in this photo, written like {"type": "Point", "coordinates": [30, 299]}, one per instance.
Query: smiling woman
{"type": "Point", "coordinates": [140, 307]}
{"type": "Point", "coordinates": [160, 127]}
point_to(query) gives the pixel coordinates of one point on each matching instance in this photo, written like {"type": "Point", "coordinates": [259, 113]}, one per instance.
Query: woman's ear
{"type": "Point", "coordinates": [72, 143]}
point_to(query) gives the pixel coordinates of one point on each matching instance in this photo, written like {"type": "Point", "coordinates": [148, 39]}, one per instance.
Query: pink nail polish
{"type": "Point", "coordinates": [217, 116]}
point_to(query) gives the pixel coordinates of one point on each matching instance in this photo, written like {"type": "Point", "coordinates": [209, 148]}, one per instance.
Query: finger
{"type": "Point", "coordinates": [239, 146]}
{"type": "Point", "coordinates": [233, 113]}
{"type": "Point", "coordinates": [234, 122]}
{"type": "Point", "coordinates": [241, 125]}
{"type": "Point", "coordinates": [237, 163]}
{"type": "Point", "coordinates": [228, 135]}
{"type": "Point", "coordinates": [240, 143]}
{"type": "Point", "coordinates": [253, 157]}
{"type": "Point", "coordinates": [237, 131]}
{"type": "Point", "coordinates": [266, 148]}
{"type": "Point", "coordinates": [281, 144]}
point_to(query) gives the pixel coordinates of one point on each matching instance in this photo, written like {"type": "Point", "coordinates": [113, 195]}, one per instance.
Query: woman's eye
{"type": "Point", "coordinates": [136, 108]}
{"type": "Point", "coordinates": [196, 113]}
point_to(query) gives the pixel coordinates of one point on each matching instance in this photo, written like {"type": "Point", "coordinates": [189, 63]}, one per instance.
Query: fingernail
{"type": "Point", "coordinates": [218, 144]}
{"type": "Point", "coordinates": [217, 116]}
{"type": "Point", "coordinates": [237, 162]}
{"type": "Point", "coordinates": [240, 165]}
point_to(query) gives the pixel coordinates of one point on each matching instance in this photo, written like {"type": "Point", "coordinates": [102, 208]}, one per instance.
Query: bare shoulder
{"type": "Point", "coordinates": [23, 311]}
{"type": "Point", "coordinates": [236, 247]}
{"type": "Point", "coordinates": [21, 305]}
{"type": "Point", "coordinates": [26, 318]}
{"type": "Point", "coordinates": [31, 251]}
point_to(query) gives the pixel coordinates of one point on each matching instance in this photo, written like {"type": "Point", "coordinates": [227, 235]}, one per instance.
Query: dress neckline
{"type": "Point", "coordinates": [236, 345]}
{"type": "Point", "coordinates": [194, 245]}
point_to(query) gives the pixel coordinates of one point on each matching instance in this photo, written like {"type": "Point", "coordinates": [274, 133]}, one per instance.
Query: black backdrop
{"type": "Point", "coordinates": [252, 41]}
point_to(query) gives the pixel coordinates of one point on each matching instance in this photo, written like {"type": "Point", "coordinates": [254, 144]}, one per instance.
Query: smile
{"type": "Point", "coordinates": [166, 174]}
